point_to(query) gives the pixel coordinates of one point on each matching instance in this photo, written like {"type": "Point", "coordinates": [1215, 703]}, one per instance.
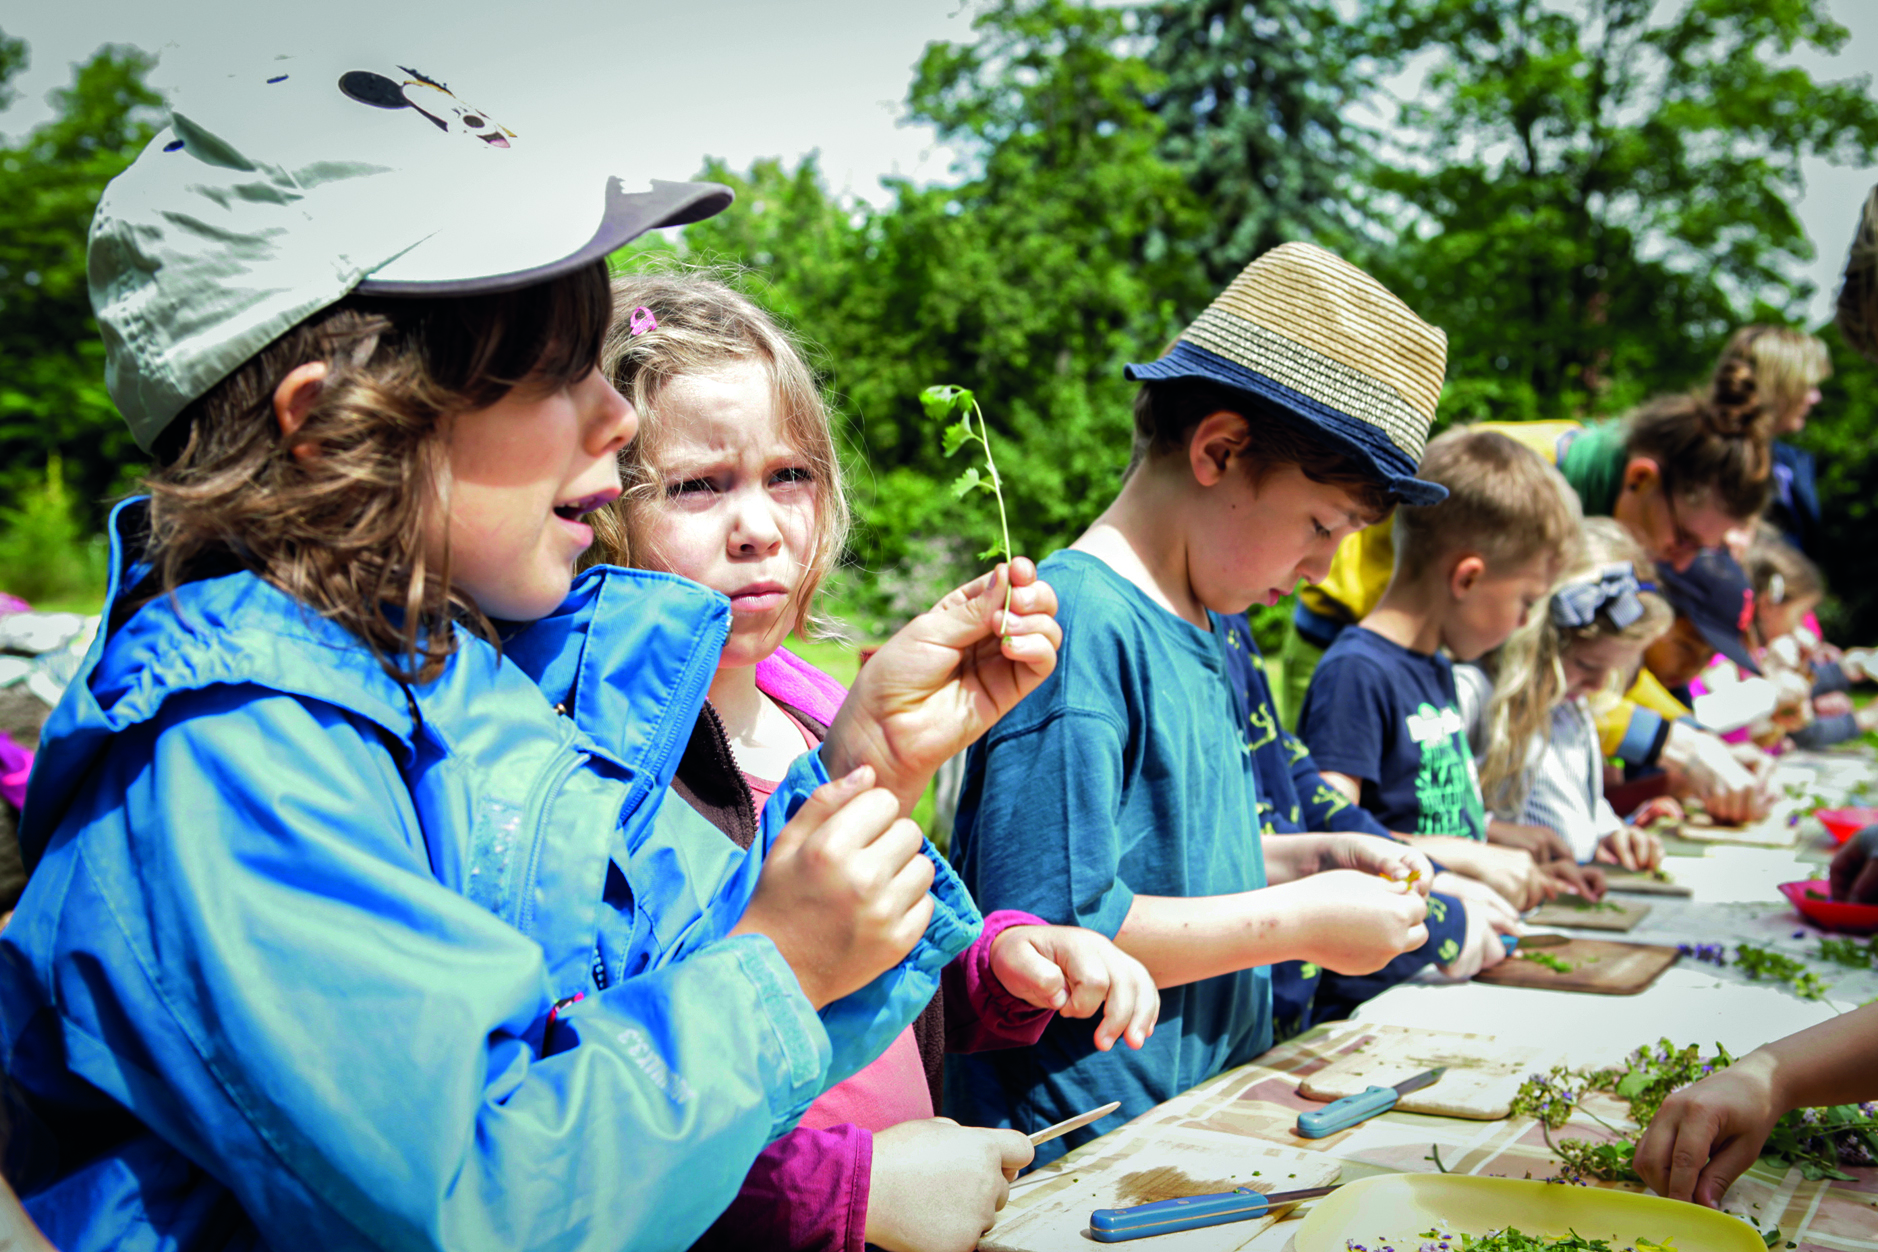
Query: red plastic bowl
{"type": "Point", "coordinates": [1859, 919]}
{"type": "Point", "coordinates": [1842, 824]}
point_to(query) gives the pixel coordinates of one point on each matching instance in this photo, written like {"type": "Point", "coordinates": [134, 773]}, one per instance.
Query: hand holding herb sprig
{"type": "Point", "coordinates": [944, 403]}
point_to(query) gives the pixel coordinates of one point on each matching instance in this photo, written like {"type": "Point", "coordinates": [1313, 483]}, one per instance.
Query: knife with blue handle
{"type": "Point", "coordinates": [1351, 1109]}
{"type": "Point", "coordinates": [1164, 1217]}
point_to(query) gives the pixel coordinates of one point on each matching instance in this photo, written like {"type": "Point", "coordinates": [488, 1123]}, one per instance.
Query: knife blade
{"type": "Point", "coordinates": [1529, 942]}
{"type": "Point", "coordinates": [1164, 1217]}
{"type": "Point", "coordinates": [1073, 1123]}
{"type": "Point", "coordinates": [1351, 1109]}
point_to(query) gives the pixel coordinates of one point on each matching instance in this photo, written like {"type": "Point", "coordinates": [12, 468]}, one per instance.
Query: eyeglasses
{"type": "Point", "coordinates": [1682, 538]}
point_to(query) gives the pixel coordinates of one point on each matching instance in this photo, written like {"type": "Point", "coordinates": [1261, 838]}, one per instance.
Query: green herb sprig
{"type": "Point", "coordinates": [1816, 1140]}
{"type": "Point", "coordinates": [1758, 963]}
{"type": "Point", "coordinates": [945, 403]}
{"type": "Point", "coordinates": [1557, 965]}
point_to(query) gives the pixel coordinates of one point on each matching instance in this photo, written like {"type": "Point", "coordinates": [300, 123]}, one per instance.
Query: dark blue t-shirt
{"type": "Point", "coordinates": [1388, 716]}
{"type": "Point", "coordinates": [1125, 772]}
{"type": "Point", "coordinates": [1294, 798]}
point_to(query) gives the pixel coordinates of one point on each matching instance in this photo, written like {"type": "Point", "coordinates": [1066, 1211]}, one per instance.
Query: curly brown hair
{"type": "Point", "coordinates": [344, 529]}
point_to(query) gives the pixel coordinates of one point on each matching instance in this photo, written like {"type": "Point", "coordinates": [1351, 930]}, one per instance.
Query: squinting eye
{"type": "Point", "coordinates": [690, 486]}
{"type": "Point", "coordinates": [1321, 532]}
{"type": "Point", "coordinates": [794, 474]}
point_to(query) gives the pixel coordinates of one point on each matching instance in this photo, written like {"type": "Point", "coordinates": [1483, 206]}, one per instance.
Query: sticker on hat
{"type": "Point", "coordinates": [426, 97]}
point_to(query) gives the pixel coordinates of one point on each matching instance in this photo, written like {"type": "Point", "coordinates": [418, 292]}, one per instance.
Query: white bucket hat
{"type": "Point", "coordinates": [276, 192]}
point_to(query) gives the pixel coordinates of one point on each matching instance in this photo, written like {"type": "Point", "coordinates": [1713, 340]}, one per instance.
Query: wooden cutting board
{"type": "Point", "coordinates": [1598, 966]}
{"type": "Point", "coordinates": [1642, 882]}
{"type": "Point", "coordinates": [1139, 1166]}
{"type": "Point", "coordinates": [1772, 831]}
{"type": "Point", "coordinates": [1607, 914]}
{"type": "Point", "coordinates": [1483, 1074]}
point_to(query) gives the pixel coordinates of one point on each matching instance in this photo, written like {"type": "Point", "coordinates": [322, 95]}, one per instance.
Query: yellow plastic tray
{"type": "Point", "coordinates": [1400, 1206]}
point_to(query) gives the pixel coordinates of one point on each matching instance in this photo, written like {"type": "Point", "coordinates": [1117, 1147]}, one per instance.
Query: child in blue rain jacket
{"type": "Point", "coordinates": [355, 920]}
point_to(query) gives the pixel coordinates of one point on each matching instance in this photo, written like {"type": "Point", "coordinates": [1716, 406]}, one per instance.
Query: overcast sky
{"type": "Point", "coordinates": [739, 79]}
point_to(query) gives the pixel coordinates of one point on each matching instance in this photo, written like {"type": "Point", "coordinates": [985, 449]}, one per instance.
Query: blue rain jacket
{"type": "Point", "coordinates": [286, 971]}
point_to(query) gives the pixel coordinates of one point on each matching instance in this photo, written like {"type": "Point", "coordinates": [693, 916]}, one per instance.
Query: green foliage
{"type": "Point", "coordinates": [1595, 198]}
{"type": "Point", "coordinates": [1258, 101]}
{"type": "Point", "coordinates": [1816, 1140]}
{"type": "Point", "coordinates": [1057, 261]}
{"type": "Point", "coordinates": [52, 398]}
{"type": "Point", "coordinates": [1842, 434]}
{"type": "Point", "coordinates": [46, 553]}
{"type": "Point", "coordinates": [1758, 963]}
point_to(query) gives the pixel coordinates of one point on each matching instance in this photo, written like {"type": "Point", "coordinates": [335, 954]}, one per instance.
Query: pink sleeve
{"type": "Point", "coordinates": [807, 1192]}
{"type": "Point", "coordinates": [980, 1014]}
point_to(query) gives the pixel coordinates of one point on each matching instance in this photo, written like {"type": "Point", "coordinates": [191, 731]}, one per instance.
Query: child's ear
{"type": "Point", "coordinates": [294, 399]}
{"type": "Point", "coordinates": [1467, 572]}
{"type": "Point", "coordinates": [1641, 474]}
{"type": "Point", "coordinates": [1213, 444]}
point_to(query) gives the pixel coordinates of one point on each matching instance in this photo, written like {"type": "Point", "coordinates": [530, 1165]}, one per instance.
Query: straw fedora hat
{"type": "Point", "coordinates": [1317, 342]}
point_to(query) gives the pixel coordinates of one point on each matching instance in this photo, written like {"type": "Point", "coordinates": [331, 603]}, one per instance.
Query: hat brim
{"type": "Point", "coordinates": [1715, 570]}
{"type": "Point", "coordinates": [625, 217]}
{"type": "Point", "coordinates": [1727, 642]}
{"type": "Point", "coordinates": [1355, 438]}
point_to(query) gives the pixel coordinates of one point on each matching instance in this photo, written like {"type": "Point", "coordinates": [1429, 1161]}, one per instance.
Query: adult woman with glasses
{"type": "Point", "coordinates": [1679, 474]}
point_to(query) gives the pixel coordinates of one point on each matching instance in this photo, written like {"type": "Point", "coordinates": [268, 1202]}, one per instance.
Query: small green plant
{"type": "Point", "coordinates": [1848, 952]}
{"type": "Point", "coordinates": [1759, 963]}
{"type": "Point", "coordinates": [957, 405]}
{"type": "Point", "coordinates": [1817, 1140]}
{"type": "Point", "coordinates": [45, 556]}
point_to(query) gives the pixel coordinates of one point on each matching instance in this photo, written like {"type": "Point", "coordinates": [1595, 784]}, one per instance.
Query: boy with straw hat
{"type": "Point", "coordinates": [1123, 795]}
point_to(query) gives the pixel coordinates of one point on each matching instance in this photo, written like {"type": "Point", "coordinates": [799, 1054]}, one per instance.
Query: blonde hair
{"type": "Point", "coordinates": [1770, 368]}
{"type": "Point", "coordinates": [1778, 571]}
{"type": "Point", "coordinates": [1504, 502]}
{"type": "Point", "coordinates": [1529, 674]}
{"type": "Point", "coordinates": [702, 324]}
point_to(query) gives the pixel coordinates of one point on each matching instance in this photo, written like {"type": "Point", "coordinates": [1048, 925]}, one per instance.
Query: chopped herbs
{"type": "Point", "coordinates": [1553, 963]}
{"type": "Point", "coordinates": [1848, 952]}
{"type": "Point", "coordinates": [1759, 963]}
{"type": "Point", "coordinates": [1434, 1239]}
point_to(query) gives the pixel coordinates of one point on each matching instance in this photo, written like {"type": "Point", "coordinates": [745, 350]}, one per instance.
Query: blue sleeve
{"type": "Point", "coordinates": [1043, 810]}
{"type": "Point", "coordinates": [862, 1024]}
{"type": "Point", "coordinates": [1326, 808]}
{"type": "Point", "coordinates": [363, 1055]}
{"type": "Point", "coordinates": [1342, 718]}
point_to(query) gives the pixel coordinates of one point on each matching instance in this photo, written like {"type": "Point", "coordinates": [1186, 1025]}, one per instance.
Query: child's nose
{"type": "Point", "coordinates": [754, 531]}
{"type": "Point", "coordinates": [612, 419]}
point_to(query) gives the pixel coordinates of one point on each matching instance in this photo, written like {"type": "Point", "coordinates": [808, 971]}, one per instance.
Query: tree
{"type": "Point", "coordinates": [1594, 200]}
{"type": "Point", "coordinates": [1059, 257]}
{"type": "Point", "coordinates": [52, 396]}
{"type": "Point", "coordinates": [1260, 99]}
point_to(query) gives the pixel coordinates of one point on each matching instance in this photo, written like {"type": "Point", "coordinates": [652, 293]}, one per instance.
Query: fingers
{"type": "Point", "coordinates": [1014, 1152]}
{"type": "Point", "coordinates": [1724, 1167]}
{"type": "Point", "coordinates": [1027, 973]}
{"type": "Point", "coordinates": [1088, 976]}
{"type": "Point", "coordinates": [1417, 936]}
{"type": "Point", "coordinates": [1689, 1154]}
{"type": "Point", "coordinates": [823, 803]}
{"type": "Point", "coordinates": [1147, 1004]}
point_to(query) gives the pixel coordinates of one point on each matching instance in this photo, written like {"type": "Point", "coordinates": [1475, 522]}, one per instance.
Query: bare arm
{"type": "Point", "coordinates": [1351, 922]}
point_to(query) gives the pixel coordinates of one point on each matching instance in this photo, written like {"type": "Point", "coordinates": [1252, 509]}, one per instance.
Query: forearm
{"type": "Point", "coordinates": [1184, 939]}
{"type": "Point", "coordinates": [1291, 857]}
{"type": "Point", "coordinates": [1835, 1062]}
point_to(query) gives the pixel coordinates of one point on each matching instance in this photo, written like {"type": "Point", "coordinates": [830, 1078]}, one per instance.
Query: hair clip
{"type": "Point", "coordinates": [1777, 589]}
{"type": "Point", "coordinates": [642, 321]}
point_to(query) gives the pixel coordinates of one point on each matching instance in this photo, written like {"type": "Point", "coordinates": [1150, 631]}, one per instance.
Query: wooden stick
{"type": "Point", "coordinates": [1075, 1123]}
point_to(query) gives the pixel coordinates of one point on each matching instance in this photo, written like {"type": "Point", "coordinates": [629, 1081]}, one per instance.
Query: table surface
{"type": "Point", "coordinates": [1245, 1116]}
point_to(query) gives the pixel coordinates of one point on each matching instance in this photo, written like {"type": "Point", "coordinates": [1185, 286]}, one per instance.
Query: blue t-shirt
{"type": "Point", "coordinates": [1294, 798]}
{"type": "Point", "coordinates": [1124, 772]}
{"type": "Point", "coordinates": [1388, 716]}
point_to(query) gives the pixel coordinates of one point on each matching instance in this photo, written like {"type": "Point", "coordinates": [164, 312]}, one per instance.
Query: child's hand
{"type": "Point", "coordinates": [1631, 847]}
{"type": "Point", "coordinates": [1076, 971]}
{"type": "Point", "coordinates": [1832, 704]}
{"type": "Point", "coordinates": [1544, 844]}
{"type": "Point", "coordinates": [1510, 872]}
{"type": "Point", "coordinates": [1482, 901]}
{"type": "Point", "coordinates": [937, 1186]}
{"type": "Point", "coordinates": [1480, 946]}
{"type": "Point", "coordinates": [843, 890]}
{"type": "Point", "coordinates": [944, 679]}
{"type": "Point", "coordinates": [1370, 854]}
{"type": "Point", "coordinates": [1571, 878]}
{"type": "Point", "coordinates": [1657, 809]}
{"type": "Point", "coordinates": [1706, 1135]}
{"type": "Point", "coordinates": [1354, 923]}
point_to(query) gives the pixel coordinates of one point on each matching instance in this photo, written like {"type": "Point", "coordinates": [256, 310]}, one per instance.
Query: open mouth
{"type": "Point", "coordinates": [574, 510]}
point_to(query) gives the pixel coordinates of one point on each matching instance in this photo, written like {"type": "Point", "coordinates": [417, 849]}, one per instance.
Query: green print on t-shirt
{"type": "Point", "coordinates": [1447, 787]}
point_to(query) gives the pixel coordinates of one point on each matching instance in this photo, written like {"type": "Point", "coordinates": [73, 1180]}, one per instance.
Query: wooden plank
{"type": "Point", "coordinates": [1483, 1074]}
{"type": "Point", "coordinates": [1049, 1211]}
{"type": "Point", "coordinates": [1607, 914]}
{"type": "Point", "coordinates": [1599, 966]}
